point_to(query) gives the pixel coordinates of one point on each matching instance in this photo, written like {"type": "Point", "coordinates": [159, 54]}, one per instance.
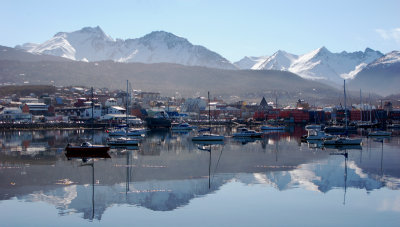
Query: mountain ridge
{"type": "Point", "coordinates": [92, 44]}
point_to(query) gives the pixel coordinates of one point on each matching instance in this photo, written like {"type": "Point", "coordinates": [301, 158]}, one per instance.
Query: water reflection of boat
{"type": "Point", "coordinates": [343, 147]}
{"type": "Point", "coordinates": [380, 133]}
{"type": "Point", "coordinates": [205, 142]}
{"type": "Point", "coordinates": [123, 141]}
{"type": "Point", "coordinates": [341, 141]}
{"type": "Point", "coordinates": [208, 148]}
{"type": "Point", "coordinates": [346, 156]}
{"type": "Point", "coordinates": [84, 155]}
{"type": "Point", "coordinates": [245, 140]}
{"type": "Point", "coordinates": [315, 143]}
{"type": "Point", "coordinates": [244, 132]}
{"type": "Point", "coordinates": [87, 148]}
{"type": "Point", "coordinates": [123, 148]}
{"type": "Point", "coordinates": [182, 127]}
{"type": "Point", "coordinates": [272, 127]}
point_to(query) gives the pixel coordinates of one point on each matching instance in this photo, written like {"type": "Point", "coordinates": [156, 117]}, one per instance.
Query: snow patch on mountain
{"type": "Point", "coordinates": [353, 73]}
{"type": "Point", "coordinates": [280, 60]}
{"type": "Point", "coordinates": [390, 58]}
{"type": "Point", "coordinates": [250, 62]}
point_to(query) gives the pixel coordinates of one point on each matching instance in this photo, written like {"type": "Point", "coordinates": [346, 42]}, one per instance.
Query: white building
{"type": "Point", "coordinates": [111, 102]}
{"type": "Point", "coordinates": [116, 110]}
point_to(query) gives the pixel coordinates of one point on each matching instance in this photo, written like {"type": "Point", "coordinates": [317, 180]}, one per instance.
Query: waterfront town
{"type": "Point", "coordinates": [82, 105]}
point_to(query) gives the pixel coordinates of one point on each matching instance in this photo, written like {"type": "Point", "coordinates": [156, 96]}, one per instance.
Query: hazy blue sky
{"type": "Point", "coordinates": [231, 28]}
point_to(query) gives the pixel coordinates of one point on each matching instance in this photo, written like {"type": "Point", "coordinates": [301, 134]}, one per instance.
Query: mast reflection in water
{"type": "Point", "coordinates": [233, 183]}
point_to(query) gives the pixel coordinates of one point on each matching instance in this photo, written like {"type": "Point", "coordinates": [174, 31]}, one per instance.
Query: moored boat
{"type": "Point", "coordinates": [244, 132]}
{"type": "Point", "coordinates": [318, 135]}
{"type": "Point", "coordinates": [313, 126]}
{"type": "Point", "coordinates": [208, 137]}
{"type": "Point", "coordinates": [379, 133]}
{"type": "Point", "coordinates": [182, 127]}
{"type": "Point", "coordinates": [123, 141]}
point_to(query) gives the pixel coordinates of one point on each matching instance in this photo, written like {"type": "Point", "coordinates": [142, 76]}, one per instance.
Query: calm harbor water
{"type": "Point", "coordinates": [169, 180]}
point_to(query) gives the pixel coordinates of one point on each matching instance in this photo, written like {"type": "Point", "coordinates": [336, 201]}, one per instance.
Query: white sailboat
{"type": "Point", "coordinates": [124, 140]}
{"type": "Point", "coordinates": [339, 141]}
{"type": "Point", "coordinates": [208, 136]}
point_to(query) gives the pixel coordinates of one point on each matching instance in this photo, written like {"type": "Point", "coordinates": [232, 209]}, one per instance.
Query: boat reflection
{"type": "Point", "coordinates": [170, 171]}
{"type": "Point", "coordinates": [207, 146]}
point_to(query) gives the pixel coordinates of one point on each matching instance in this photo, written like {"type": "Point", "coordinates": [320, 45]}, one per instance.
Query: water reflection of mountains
{"type": "Point", "coordinates": [169, 171]}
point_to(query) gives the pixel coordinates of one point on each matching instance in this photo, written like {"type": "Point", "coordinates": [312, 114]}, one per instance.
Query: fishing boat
{"type": "Point", "coordinates": [208, 136]}
{"type": "Point", "coordinates": [244, 132]}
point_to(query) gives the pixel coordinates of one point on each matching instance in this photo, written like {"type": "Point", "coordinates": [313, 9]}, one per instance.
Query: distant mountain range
{"type": "Point", "coordinates": [320, 64]}
{"type": "Point", "coordinates": [381, 76]}
{"type": "Point", "coordinates": [91, 44]}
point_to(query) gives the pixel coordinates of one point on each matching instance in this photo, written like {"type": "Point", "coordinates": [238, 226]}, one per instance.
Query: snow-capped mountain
{"type": "Point", "coordinates": [381, 76]}
{"type": "Point", "coordinates": [280, 60]}
{"type": "Point", "coordinates": [320, 64]}
{"type": "Point", "coordinates": [92, 44]}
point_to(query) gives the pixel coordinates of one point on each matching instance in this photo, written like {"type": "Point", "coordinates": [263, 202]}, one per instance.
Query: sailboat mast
{"type": "Point", "coordinates": [209, 111]}
{"type": "Point", "coordinates": [126, 107]}
{"type": "Point", "coordinates": [370, 108]}
{"type": "Point", "coordinates": [361, 115]}
{"type": "Point", "coordinates": [345, 107]}
{"type": "Point", "coordinates": [92, 107]}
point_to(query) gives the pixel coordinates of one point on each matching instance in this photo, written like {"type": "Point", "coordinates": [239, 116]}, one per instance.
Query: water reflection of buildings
{"type": "Point", "coordinates": [169, 171]}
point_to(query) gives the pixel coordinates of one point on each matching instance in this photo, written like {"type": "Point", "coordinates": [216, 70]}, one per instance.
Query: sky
{"type": "Point", "coordinates": [231, 28]}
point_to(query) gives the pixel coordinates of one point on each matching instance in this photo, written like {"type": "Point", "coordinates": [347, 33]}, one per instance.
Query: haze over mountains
{"type": "Point", "coordinates": [92, 45]}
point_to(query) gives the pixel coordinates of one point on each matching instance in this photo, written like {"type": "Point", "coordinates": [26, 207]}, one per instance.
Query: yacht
{"type": "Point", "coordinates": [318, 135]}
{"type": "Point", "coordinates": [123, 141]}
{"type": "Point", "coordinates": [244, 132]}
{"type": "Point", "coordinates": [272, 127]}
{"type": "Point", "coordinates": [208, 136]}
{"type": "Point", "coordinates": [379, 133]}
{"type": "Point", "coordinates": [313, 126]}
